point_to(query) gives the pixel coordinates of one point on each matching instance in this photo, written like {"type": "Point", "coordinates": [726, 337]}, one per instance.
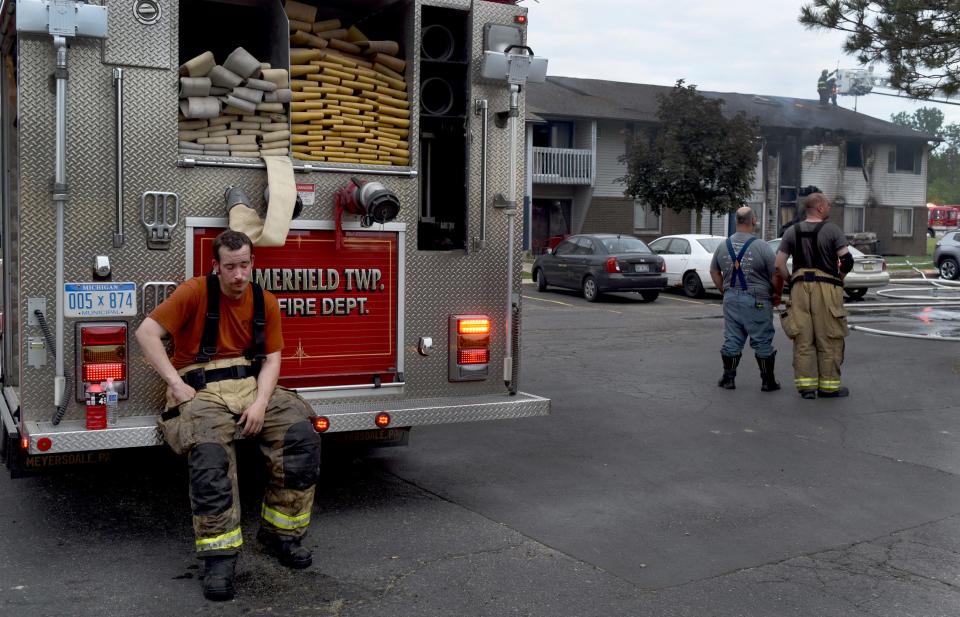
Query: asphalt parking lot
{"type": "Point", "coordinates": [647, 491]}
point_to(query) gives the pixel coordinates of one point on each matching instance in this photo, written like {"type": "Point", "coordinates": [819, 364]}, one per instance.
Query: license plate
{"type": "Point", "coordinates": [641, 267]}
{"type": "Point", "coordinates": [868, 267]}
{"type": "Point", "coordinates": [100, 299]}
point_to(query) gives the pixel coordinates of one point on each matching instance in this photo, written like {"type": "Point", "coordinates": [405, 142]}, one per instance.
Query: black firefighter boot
{"type": "Point", "coordinates": [729, 372]}
{"type": "Point", "coordinates": [286, 549]}
{"type": "Point", "coordinates": [218, 577]}
{"type": "Point", "coordinates": [767, 375]}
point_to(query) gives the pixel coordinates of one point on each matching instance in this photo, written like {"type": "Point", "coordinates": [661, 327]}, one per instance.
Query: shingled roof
{"type": "Point", "coordinates": [570, 97]}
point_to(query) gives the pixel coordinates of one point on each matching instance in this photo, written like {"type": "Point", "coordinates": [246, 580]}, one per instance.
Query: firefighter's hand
{"type": "Point", "coordinates": [182, 392]}
{"type": "Point", "coordinates": [252, 419]}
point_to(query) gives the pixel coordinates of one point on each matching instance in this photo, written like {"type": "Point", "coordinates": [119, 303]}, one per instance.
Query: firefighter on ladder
{"type": "Point", "coordinates": [816, 320]}
{"type": "Point", "coordinates": [221, 384]}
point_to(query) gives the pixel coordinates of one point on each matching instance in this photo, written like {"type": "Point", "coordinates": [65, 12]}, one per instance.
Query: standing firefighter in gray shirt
{"type": "Point", "coordinates": [743, 270]}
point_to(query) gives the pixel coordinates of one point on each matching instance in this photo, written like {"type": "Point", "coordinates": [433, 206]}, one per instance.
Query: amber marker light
{"type": "Point", "coordinates": [383, 419]}
{"type": "Point", "coordinates": [473, 326]}
{"type": "Point", "coordinates": [24, 443]}
{"type": "Point", "coordinates": [321, 424]}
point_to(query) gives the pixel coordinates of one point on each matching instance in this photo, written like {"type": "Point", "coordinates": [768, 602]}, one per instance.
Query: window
{"type": "Point", "coordinates": [644, 218]}
{"type": "Point", "coordinates": [660, 246]}
{"type": "Point", "coordinates": [709, 244]}
{"type": "Point", "coordinates": [902, 222]}
{"type": "Point", "coordinates": [854, 154]}
{"type": "Point", "coordinates": [905, 158]}
{"type": "Point", "coordinates": [553, 134]}
{"type": "Point", "coordinates": [853, 219]}
{"type": "Point", "coordinates": [567, 247]}
{"type": "Point", "coordinates": [679, 246]}
{"type": "Point", "coordinates": [624, 244]}
{"type": "Point", "coordinates": [584, 247]}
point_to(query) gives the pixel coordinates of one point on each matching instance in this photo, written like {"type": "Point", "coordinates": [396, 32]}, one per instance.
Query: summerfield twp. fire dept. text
{"type": "Point", "coordinates": [294, 280]}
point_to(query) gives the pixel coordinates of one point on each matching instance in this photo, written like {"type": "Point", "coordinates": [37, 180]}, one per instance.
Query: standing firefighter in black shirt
{"type": "Point", "coordinates": [816, 320]}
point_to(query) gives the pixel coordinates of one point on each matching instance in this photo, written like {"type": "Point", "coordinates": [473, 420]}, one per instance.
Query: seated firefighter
{"type": "Point", "coordinates": [222, 384]}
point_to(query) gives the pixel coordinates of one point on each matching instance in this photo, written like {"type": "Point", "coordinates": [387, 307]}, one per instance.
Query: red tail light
{"type": "Point", "coordinates": [473, 356]}
{"type": "Point", "coordinates": [321, 424]}
{"type": "Point", "coordinates": [663, 266]}
{"type": "Point", "coordinates": [382, 420]}
{"type": "Point", "coordinates": [469, 351]}
{"type": "Point", "coordinates": [102, 355]}
{"type": "Point", "coordinates": [612, 265]}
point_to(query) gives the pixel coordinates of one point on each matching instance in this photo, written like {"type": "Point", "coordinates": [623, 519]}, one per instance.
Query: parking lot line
{"type": "Point", "coordinates": [683, 300]}
{"type": "Point", "coordinates": [573, 306]}
{"type": "Point", "coordinates": [526, 297]}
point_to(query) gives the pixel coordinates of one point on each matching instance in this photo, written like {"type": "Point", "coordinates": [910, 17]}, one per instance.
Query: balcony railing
{"type": "Point", "coordinates": [562, 166]}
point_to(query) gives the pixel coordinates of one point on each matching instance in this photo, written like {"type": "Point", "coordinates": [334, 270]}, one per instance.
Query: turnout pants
{"type": "Point", "coordinates": [817, 323]}
{"type": "Point", "coordinates": [205, 431]}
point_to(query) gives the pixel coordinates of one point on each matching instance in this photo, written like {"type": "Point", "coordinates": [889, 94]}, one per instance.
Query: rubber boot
{"type": "Point", "coordinates": [218, 577]}
{"type": "Point", "coordinates": [729, 372]}
{"type": "Point", "coordinates": [286, 549]}
{"type": "Point", "coordinates": [767, 375]}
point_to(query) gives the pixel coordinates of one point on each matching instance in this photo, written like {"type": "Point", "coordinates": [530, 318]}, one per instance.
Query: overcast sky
{"type": "Point", "coordinates": [747, 46]}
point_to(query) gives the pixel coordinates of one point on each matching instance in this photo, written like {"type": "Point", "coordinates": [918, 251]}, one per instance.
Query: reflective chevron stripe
{"type": "Point", "coordinates": [282, 521]}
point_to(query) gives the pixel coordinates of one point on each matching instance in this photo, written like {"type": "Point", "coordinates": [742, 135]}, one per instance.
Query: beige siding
{"type": "Point", "coordinates": [610, 147]}
{"type": "Point", "coordinates": [583, 135]}
{"type": "Point", "coordinates": [824, 166]}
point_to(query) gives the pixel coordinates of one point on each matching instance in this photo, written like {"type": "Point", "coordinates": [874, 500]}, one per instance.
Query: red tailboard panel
{"type": "Point", "coordinates": [339, 306]}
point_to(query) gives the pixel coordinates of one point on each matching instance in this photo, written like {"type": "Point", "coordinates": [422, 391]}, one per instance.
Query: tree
{"type": "Point", "coordinates": [926, 120]}
{"type": "Point", "coordinates": [695, 159]}
{"type": "Point", "coordinates": [916, 39]}
{"type": "Point", "coordinates": [943, 164]}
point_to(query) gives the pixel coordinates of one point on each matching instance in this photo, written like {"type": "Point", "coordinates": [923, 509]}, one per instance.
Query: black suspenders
{"type": "Point", "coordinates": [211, 325]}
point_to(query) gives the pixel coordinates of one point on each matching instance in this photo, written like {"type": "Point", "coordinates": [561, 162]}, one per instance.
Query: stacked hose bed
{"type": "Point", "coordinates": [349, 95]}
{"type": "Point", "coordinates": [234, 109]}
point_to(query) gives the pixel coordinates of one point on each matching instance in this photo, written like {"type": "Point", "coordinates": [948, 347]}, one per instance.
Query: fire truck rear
{"type": "Point", "coordinates": [122, 126]}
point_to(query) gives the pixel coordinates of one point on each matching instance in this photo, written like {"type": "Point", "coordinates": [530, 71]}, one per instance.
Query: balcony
{"type": "Point", "coordinates": [562, 166]}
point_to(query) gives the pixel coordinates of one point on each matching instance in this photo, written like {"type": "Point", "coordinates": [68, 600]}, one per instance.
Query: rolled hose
{"type": "Point", "coordinates": [68, 382]}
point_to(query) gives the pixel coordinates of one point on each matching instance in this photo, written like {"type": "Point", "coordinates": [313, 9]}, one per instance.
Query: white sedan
{"type": "Point", "coordinates": [688, 257]}
{"type": "Point", "coordinates": [868, 271]}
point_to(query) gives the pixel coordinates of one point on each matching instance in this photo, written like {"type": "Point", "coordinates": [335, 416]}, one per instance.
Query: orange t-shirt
{"type": "Point", "coordinates": [182, 315]}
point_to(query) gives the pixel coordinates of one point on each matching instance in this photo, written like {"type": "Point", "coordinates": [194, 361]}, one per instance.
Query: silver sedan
{"type": "Point", "coordinates": [868, 271]}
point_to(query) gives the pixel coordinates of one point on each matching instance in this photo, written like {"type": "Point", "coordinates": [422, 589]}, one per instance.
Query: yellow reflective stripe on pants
{"type": "Point", "coordinates": [282, 521]}
{"type": "Point", "coordinates": [829, 385]}
{"type": "Point", "coordinates": [231, 539]}
{"type": "Point", "coordinates": [803, 383]}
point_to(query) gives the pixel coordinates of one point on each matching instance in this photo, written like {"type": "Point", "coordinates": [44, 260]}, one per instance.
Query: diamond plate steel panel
{"type": "Point", "coordinates": [131, 43]}
{"type": "Point", "coordinates": [70, 436]}
{"type": "Point", "coordinates": [437, 283]}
